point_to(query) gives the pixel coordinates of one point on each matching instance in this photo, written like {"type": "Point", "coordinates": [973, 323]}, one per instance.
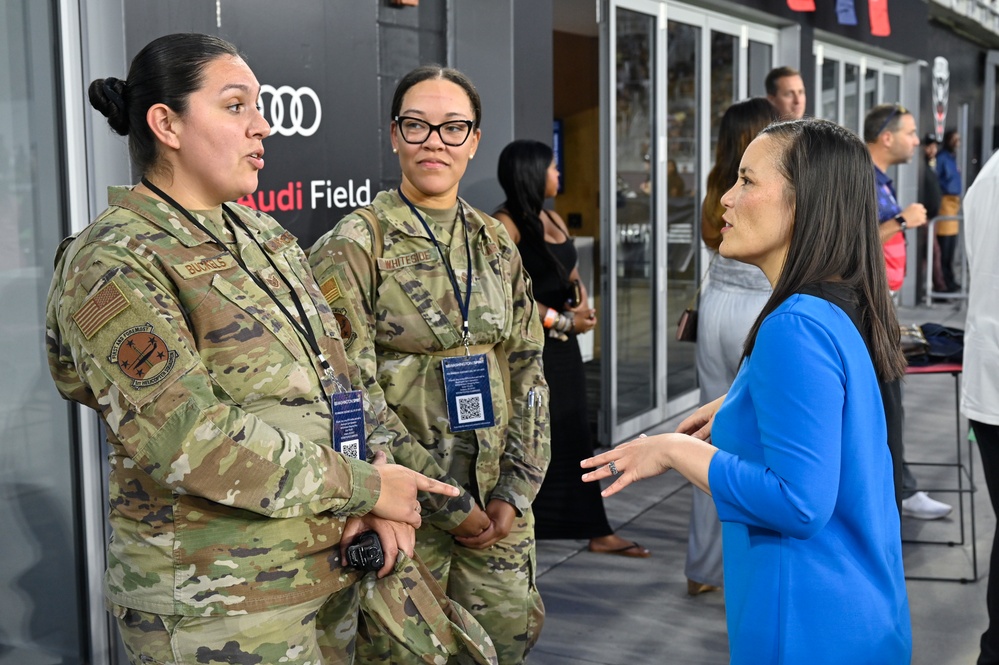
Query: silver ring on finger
{"type": "Point", "coordinates": [613, 469]}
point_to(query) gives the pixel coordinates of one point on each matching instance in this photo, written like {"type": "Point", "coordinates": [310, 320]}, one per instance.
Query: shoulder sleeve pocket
{"type": "Point", "coordinates": [138, 350]}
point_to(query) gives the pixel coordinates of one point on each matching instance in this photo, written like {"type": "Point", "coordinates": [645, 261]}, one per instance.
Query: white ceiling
{"type": "Point", "coordinates": [576, 16]}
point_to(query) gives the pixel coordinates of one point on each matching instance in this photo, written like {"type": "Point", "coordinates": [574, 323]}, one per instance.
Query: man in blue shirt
{"type": "Point", "coordinates": [891, 137]}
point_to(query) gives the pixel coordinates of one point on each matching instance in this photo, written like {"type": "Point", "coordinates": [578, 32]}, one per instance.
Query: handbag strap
{"type": "Point", "coordinates": [693, 298]}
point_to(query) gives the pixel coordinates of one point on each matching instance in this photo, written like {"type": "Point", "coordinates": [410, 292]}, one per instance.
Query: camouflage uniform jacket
{"type": "Point", "coordinates": [400, 314]}
{"type": "Point", "coordinates": [225, 495]}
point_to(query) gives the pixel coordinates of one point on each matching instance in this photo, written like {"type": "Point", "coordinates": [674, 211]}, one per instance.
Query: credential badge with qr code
{"type": "Point", "coordinates": [348, 424]}
{"type": "Point", "coordinates": [469, 396]}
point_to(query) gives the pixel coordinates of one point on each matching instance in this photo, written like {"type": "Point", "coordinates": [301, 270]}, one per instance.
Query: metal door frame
{"type": "Point", "coordinates": [610, 430]}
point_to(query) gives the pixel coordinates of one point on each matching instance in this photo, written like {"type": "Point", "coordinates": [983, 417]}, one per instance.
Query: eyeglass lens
{"type": "Point", "coordinates": [453, 133]}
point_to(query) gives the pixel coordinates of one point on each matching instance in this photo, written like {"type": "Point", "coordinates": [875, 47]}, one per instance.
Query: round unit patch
{"type": "Point", "coordinates": [347, 333]}
{"type": "Point", "coordinates": [142, 356]}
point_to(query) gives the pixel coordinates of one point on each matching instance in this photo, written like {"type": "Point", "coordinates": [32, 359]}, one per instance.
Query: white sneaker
{"type": "Point", "coordinates": [922, 507]}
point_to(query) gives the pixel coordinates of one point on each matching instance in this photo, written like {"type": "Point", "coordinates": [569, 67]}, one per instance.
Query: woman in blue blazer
{"type": "Point", "coordinates": [795, 456]}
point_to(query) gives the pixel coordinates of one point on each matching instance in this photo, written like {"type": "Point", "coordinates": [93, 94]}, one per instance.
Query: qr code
{"type": "Point", "coordinates": [351, 449]}
{"type": "Point", "coordinates": [470, 408]}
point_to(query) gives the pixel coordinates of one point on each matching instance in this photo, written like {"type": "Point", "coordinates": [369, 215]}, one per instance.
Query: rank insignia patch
{"type": "Point", "coordinates": [100, 308]}
{"type": "Point", "coordinates": [347, 333]}
{"type": "Point", "coordinates": [271, 279]}
{"type": "Point", "coordinates": [142, 356]}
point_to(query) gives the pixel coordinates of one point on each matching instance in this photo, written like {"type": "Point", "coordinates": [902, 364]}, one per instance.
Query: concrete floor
{"type": "Point", "coordinates": [616, 610]}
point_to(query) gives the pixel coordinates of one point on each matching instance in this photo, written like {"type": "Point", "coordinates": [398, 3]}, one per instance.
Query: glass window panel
{"type": "Point", "coordinates": [724, 78]}
{"type": "Point", "coordinates": [870, 90]}
{"type": "Point", "coordinates": [829, 108]}
{"type": "Point", "coordinates": [635, 339]}
{"type": "Point", "coordinates": [760, 63]}
{"type": "Point", "coordinates": [893, 85]}
{"type": "Point", "coordinates": [684, 196]}
{"type": "Point", "coordinates": [851, 97]}
{"type": "Point", "coordinates": [40, 616]}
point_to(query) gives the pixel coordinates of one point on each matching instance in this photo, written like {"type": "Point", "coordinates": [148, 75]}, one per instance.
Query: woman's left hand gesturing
{"type": "Point", "coordinates": [642, 458]}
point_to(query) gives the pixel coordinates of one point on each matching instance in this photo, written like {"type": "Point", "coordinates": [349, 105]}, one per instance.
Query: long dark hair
{"type": "Point", "coordinates": [948, 140]}
{"type": "Point", "coordinates": [740, 124]}
{"type": "Point", "coordinates": [523, 172]}
{"type": "Point", "coordinates": [834, 236]}
{"type": "Point", "coordinates": [166, 71]}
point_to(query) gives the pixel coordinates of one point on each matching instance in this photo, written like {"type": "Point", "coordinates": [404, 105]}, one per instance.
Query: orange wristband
{"type": "Point", "coordinates": [551, 316]}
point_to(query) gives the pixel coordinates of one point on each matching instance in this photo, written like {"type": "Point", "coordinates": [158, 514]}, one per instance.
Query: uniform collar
{"type": "Point", "coordinates": [400, 217]}
{"type": "Point", "coordinates": [163, 215]}
{"type": "Point", "coordinates": [173, 222]}
{"type": "Point", "coordinates": [882, 178]}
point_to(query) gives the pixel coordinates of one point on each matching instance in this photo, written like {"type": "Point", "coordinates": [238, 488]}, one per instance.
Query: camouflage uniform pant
{"type": "Point", "coordinates": [318, 632]}
{"type": "Point", "coordinates": [496, 585]}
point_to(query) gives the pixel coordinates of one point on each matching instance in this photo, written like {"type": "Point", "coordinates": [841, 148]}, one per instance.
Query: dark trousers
{"type": "Point", "coordinates": [948, 248]}
{"type": "Point", "coordinates": [988, 445]}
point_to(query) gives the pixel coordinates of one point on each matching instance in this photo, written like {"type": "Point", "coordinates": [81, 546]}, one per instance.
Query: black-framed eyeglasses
{"type": "Point", "coordinates": [898, 109]}
{"type": "Point", "coordinates": [453, 132]}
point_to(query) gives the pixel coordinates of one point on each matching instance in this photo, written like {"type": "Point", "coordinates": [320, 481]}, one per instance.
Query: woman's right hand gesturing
{"type": "Point", "coordinates": [397, 500]}
{"type": "Point", "coordinates": [698, 424]}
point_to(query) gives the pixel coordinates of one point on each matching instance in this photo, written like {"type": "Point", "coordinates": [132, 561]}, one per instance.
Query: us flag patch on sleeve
{"type": "Point", "coordinates": [331, 290]}
{"type": "Point", "coordinates": [100, 308]}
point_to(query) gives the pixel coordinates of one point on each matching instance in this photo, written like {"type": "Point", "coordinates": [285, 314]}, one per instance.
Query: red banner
{"type": "Point", "coordinates": [878, 10]}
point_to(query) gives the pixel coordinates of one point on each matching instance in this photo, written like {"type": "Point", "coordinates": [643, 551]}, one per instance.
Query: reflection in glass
{"type": "Point", "coordinates": [635, 337]}
{"type": "Point", "coordinates": [870, 90]}
{"type": "Point", "coordinates": [893, 84]}
{"type": "Point", "coordinates": [40, 619]}
{"type": "Point", "coordinates": [830, 90]}
{"type": "Point", "coordinates": [851, 98]}
{"type": "Point", "coordinates": [724, 77]}
{"type": "Point", "coordinates": [760, 59]}
{"type": "Point", "coordinates": [682, 209]}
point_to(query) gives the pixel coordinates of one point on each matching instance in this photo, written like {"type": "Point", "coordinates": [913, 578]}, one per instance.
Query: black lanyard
{"type": "Point", "coordinates": [304, 328]}
{"type": "Point", "coordinates": [463, 306]}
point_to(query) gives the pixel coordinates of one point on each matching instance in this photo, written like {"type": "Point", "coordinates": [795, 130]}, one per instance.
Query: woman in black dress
{"type": "Point", "coordinates": [566, 507]}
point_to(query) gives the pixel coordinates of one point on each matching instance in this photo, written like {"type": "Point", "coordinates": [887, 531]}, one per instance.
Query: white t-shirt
{"type": "Point", "coordinates": [980, 393]}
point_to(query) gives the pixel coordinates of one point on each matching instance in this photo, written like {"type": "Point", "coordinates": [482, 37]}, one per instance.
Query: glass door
{"type": "Point", "coordinates": [43, 617]}
{"type": "Point", "coordinates": [632, 240]}
{"type": "Point", "coordinates": [851, 84]}
{"type": "Point", "coordinates": [668, 72]}
{"type": "Point", "coordinates": [990, 107]}
{"type": "Point", "coordinates": [684, 122]}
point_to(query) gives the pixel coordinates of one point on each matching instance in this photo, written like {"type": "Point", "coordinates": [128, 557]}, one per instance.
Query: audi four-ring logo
{"type": "Point", "coordinates": [296, 109]}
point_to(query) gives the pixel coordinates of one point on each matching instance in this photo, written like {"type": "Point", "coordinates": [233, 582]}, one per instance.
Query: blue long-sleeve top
{"type": "Point", "coordinates": [803, 486]}
{"type": "Point", "coordinates": [948, 173]}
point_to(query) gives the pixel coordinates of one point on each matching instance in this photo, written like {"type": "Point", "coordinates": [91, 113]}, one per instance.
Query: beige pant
{"type": "Point", "coordinates": [950, 205]}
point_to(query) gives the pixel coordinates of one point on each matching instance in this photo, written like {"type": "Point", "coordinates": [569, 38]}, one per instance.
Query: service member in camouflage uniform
{"type": "Point", "coordinates": [228, 502]}
{"type": "Point", "coordinates": [385, 279]}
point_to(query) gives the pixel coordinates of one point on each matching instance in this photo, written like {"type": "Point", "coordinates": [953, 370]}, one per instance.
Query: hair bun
{"type": "Point", "coordinates": [108, 96]}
